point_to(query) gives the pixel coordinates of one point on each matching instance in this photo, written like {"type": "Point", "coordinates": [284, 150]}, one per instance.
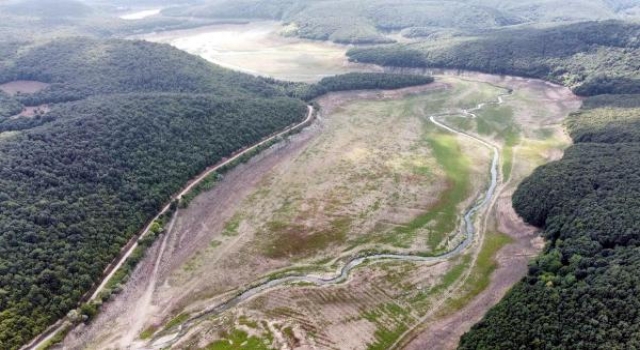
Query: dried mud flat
{"type": "Point", "coordinates": [258, 48]}
{"type": "Point", "coordinates": [200, 261]}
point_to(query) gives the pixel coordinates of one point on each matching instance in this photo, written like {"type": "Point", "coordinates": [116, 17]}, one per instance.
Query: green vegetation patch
{"type": "Point", "coordinates": [391, 321]}
{"type": "Point", "coordinates": [442, 218]}
{"type": "Point", "coordinates": [237, 340]}
{"type": "Point", "coordinates": [176, 321]}
{"type": "Point", "coordinates": [292, 240]}
{"type": "Point", "coordinates": [205, 185]}
{"type": "Point", "coordinates": [480, 274]}
{"type": "Point", "coordinates": [498, 121]}
{"type": "Point", "coordinates": [231, 226]}
{"type": "Point", "coordinates": [148, 332]}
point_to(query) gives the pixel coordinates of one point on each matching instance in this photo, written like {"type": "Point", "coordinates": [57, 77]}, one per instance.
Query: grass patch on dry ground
{"type": "Point", "coordinates": [499, 122]}
{"type": "Point", "coordinates": [391, 321]}
{"type": "Point", "coordinates": [148, 332]}
{"type": "Point", "coordinates": [238, 339]}
{"type": "Point", "coordinates": [181, 318]}
{"type": "Point", "coordinates": [442, 218]}
{"type": "Point", "coordinates": [231, 226]}
{"type": "Point", "coordinates": [294, 240]}
{"type": "Point", "coordinates": [480, 274]}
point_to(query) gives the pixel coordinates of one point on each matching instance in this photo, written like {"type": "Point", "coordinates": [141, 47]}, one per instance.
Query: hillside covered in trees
{"type": "Point", "coordinates": [368, 21]}
{"type": "Point", "coordinates": [583, 292]}
{"type": "Point", "coordinates": [591, 57]}
{"type": "Point", "coordinates": [130, 123]}
{"type": "Point", "coordinates": [79, 184]}
{"type": "Point", "coordinates": [354, 81]}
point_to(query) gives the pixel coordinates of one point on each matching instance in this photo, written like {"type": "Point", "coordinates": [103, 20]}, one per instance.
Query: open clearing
{"type": "Point", "coordinates": [258, 48]}
{"type": "Point", "coordinates": [22, 86]}
{"type": "Point", "coordinates": [372, 174]}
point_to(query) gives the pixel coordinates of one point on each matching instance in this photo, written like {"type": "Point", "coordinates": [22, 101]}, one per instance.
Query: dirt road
{"type": "Point", "coordinates": [52, 331]}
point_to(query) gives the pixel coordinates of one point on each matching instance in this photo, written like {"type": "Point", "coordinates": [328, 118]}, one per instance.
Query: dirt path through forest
{"type": "Point", "coordinates": [52, 331]}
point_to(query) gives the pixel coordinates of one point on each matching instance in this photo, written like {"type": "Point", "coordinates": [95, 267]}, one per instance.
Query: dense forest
{"type": "Point", "coordinates": [583, 292]}
{"type": "Point", "coordinates": [77, 186]}
{"type": "Point", "coordinates": [8, 106]}
{"type": "Point", "coordinates": [354, 81]}
{"type": "Point", "coordinates": [80, 67]}
{"type": "Point", "coordinates": [591, 57]}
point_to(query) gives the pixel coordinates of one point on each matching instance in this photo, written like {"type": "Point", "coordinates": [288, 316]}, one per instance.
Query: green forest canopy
{"type": "Point", "coordinates": [367, 21]}
{"type": "Point", "coordinates": [591, 57]}
{"type": "Point", "coordinates": [79, 183]}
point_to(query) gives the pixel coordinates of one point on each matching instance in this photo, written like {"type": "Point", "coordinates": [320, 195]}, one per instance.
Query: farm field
{"type": "Point", "coordinates": [373, 174]}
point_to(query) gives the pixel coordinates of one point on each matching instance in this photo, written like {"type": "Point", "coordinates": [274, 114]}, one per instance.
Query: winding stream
{"type": "Point", "coordinates": [342, 275]}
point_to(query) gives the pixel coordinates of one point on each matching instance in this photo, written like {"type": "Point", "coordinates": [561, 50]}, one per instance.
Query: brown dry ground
{"type": "Point", "coordinates": [29, 112]}
{"type": "Point", "coordinates": [258, 48]}
{"type": "Point", "coordinates": [22, 86]}
{"type": "Point", "coordinates": [222, 242]}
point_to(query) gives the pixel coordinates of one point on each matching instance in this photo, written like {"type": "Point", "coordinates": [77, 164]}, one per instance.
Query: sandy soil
{"type": "Point", "coordinates": [22, 86]}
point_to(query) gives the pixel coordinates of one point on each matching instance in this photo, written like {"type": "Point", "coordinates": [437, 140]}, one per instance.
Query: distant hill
{"type": "Point", "coordinates": [47, 8]}
{"type": "Point", "coordinates": [590, 57]}
{"type": "Point", "coordinates": [81, 67]}
{"type": "Point", "coordinates": [360, 21]}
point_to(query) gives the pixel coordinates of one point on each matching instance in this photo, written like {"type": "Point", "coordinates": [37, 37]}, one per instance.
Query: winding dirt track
{"type": "Point", "coordinates": [52, 331]}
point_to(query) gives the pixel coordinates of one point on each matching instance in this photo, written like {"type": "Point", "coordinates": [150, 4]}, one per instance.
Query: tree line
{"type": "Point", "coordinates": [592, 58]}
{"type": "Point", "coordinates": [131, 122]}
{"type": "Point", "coordinates": [76, 185]}
{"type": "Point", "coordinates": [353, 81]}
{"type": "Point", "coordinates": [583, 292]}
